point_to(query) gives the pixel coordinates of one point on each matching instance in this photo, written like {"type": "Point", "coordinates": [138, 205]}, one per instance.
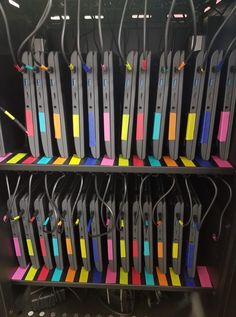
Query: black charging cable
{"type": "Point", "coordinates": [11, 199]}
{"type": "Point", "coordinates": [121, 213]}
{"type": "Point", "coordinates": [221, 64]}
{"type": "Point", "coordinates": [216, 237]}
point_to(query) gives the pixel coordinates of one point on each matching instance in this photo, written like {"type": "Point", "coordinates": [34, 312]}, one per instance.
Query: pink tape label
{"type": "Point", "coordinates": [19, 273]}
{"type": "Point", "coordinates": [106, 161]}
{"type": "Point", "coordinates": [204, 277]}
{"type": "Point", "coordinates": [111, 276]}
{"type": "Point", "coordinates": [43, 274]}
{"type": "Point", "coordinates": [3, 158]}
{"type": "Point", "coordinates": [221, 163]}
{"type": "Point", "coordinates": [106, 124]}
{"type": "Point", "coordinates": [29, 122]}
{"type": "Point", "coordinates": [17, 246]}
{"type": "Point", "coordinates": [110, 249]}
{"type": "Point", "coordinates": [224, 125]}
{"type": "Point", "coordinates": [30, 160]}
{"type": "Point", "coordinates": [140, 127]}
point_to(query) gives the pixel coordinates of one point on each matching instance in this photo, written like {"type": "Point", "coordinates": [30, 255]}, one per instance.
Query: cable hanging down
{"type": "Point", "coordinates": [202, 69]}
{"type": "Point", "coordinates": [216, 237]}
{"type": "Point", "coordinates": [42, 20]}
{"type": "Point", "coordinates": [85, 67]}
{"type": "Point", "coordinates": [16, 65]}
{"type": "Point", "coordinates": [221, 64]}
{"type": "Point", "coordinates": [70, 66]}
{"type": "Point", "coordinates": [32, 34]}
{"type": "Point", "coordinates": [121, 53]}
{"type": "Point", "coordinates": [16, 121]}
{"type": "Point", "coordinates": [11, 199]}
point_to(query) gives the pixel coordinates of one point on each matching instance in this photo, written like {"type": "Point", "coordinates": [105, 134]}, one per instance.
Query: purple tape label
{"type": "Point", "coordinates": [224, 125]}
{"type": "Point", "coordinates": [110, 249]}
{"type": "Point", "coordinates": [17, 246]}
{"type": "Point", "coordinates": [106, 125]}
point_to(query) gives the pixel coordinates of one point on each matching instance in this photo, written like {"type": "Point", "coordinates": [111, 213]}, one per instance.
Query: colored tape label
{"type": "Point", "coordinates": [175, 250]}
{"type": "Point", "coordinates": [92, 136]}
{"type": "Point", "coordinates": [30, 247]}
{"type": "Point", "coordinates": [57, 125]}
{"type": "Point", "coordinates": [125, 127]}
{"type": "Point", "coordinates": [106, 125]}
{"type": "Point", "coordinates": [172, 127]}
{"type": "Point", "coordinates": [55, 247]}
{"type": "Point", "coordinates": [122, 249]}
{"type": "Point", "coordinates": [76, 125]}
{"type": "Point", "coordinates": [42, 122]}
{"type": "Point", "coordinates": [157, 126]}
{"type": "Point", "coordinates": [190, 127]}
{"type": "Point", "coordinates": [140, 127]}
{"type": "Point", "coordinates": [29, 122]}
{"type": "Point", "coordinates": [83, 249]}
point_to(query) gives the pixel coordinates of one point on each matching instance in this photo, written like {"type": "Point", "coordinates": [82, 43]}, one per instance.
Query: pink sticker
{"type": "Point", "coordinates": [106, 161]}
{"type": "Point", "coordinates": [106, 125]}
{"type": "Point", "coordinates": [111, 276]}
{"type": "Point", "coordinates": [3, 158]}
{"type": "Point", "coordinates": [221, 163]}
{"type": "Point", "coordinates": [110, 249]}
{"type": "Point", "coordinates": [223, 127]}
{"type": "Point", "coordinates": [19, 273]}
{"type": "Point", "coordinates": [17, 246]}
{"type": "Point", "coordinates": [204, 277]}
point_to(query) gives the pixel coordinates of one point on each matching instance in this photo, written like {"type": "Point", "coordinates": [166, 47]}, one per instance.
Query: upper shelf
{"type": "Point", "coordinates": [25, 162]}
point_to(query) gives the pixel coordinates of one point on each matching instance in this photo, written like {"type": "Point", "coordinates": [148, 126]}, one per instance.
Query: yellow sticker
{"type": "Point", "coordinates": [122, 249]}
{"type": "Point", "coordinates": [31, 274]}
{"type": "Point", "coordinates": [124, 277]}
{"type": "Point", "coordinates": [187, 162]}
{"type": "Point", "coordinates": [125, 127]}
{"type": "Point", "coordinates": [30, 247]}
{"type": "Point", "coordinates": [83, 249]}
{"type": "Point", "coordinates": [76, 126]}
{"type": "Point", "coordinates": [190, 127]}
{"type": "Point", "coordinates": [174, 278]}
{"type": "Point", "coordinates": [75, 160]}
{"type": "Point", "coordinates": [83, 278]}
{"type": "Point", "coordinates": [123, 161]}
{"type": "Point", "coordinates": [175, 250]}
{"type": "Point", "coordinates": [15, 159]}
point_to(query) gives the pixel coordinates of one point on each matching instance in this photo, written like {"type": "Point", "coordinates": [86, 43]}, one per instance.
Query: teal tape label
{"type": "Point", "coordinates": [42, 122]}
{"type": "Point", "coordinates": [157, 126]}
{"type": "Point", "coordinates": [55, 247]}
{"type": "Point", "coordinates": [146, 248]}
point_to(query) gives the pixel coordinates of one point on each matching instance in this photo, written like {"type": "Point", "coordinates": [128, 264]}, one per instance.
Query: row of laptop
{"type": "Point", "coordinates": [93, 222]}
{"type": "Point", "coordinates": [146, 110]}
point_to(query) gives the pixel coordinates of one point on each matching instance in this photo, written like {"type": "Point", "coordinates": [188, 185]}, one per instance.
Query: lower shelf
{"type": "Point", "coordinates": [109, 279]}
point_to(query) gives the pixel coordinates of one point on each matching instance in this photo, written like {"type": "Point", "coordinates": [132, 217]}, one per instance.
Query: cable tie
{"type": "Point", "coordinates": [29, 67]}
{"type": "Point", "coordinates": [18, 68]}
{"type": "Point", "coordinates": [122, 224]}
{"type": "Point", "coordinates": [214, 237]}
{"type": "Point", "coordinates": [159, 222]}
{"type": "Point", "coordinates": [16, 218]}
{"type": "Point", "coordinates": [5, 218]}
{"type": "Point", "coordinates": [89, 224]}
{"type": "Point", "coordinates": [46, 222]}
{"type": "Point", "coordinates": [44, 68]}
{"type": "Point", "coordinates": [181, 222]}
{"type": "Point", "coordinates": [128, 66]}
{"type": "Point", "coordinates": [77, 222]}
{"type": "Point", "coordinates": [144, 65]}
{"type": "Point", "coordinates": [104, 68]}
{"type": "Point", "coordinates": [59, 224]}
{"type": "Point", "coordinates": [32, 219]}
{"type": "Point", "coordinates": [71, 67]}
{"type": "Point", "coordinates": [86, 68]}
{"type": "Point", "coordinates": [181, 66]}
{"type": "Point", "coordinates": [220, 66]}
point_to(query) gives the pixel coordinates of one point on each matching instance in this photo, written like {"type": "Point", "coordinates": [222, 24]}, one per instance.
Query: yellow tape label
{"type": "Point", "coordinates": [75, 160]}
{"type": "Point", "coordinates": [83, 249]}
{"type": "Point", "coordinates": [125, 127]}
{"type": "Point", "coordinates": [175, 250]}
{"type": "Point", "coordinates": [83, 276]}
{"type": "Point", "coordinates": [174, 278]}
{"type": "Point", "coordinates": [31, 274]}
{"type": "Point", "coordinates": [123, 161]}
{"type": "Point", "coordinates": [76, 126]}
{"type": "Point", "coordinates": [30, 247]}
{"type": "Point", "coordinates": [190, 126]}
{"type": "Point", "coordinates": [124, 277]}
{"type": "Point", "coordinates": [15, 159]}
{"type": "Point", "coordinates": [187, 162]}
{"type": "Point", "coordinates": [122, 249]}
